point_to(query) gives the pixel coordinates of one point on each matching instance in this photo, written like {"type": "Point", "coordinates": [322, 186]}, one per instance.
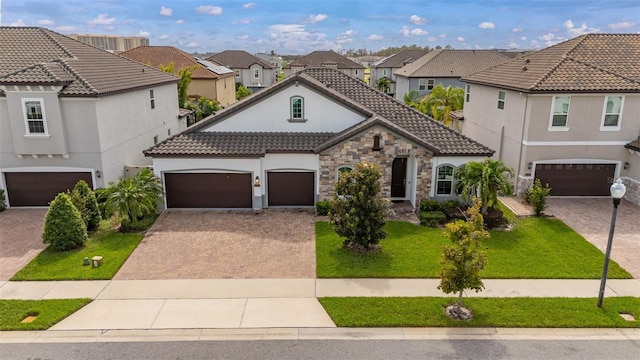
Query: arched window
{"type": "Point", "coordinates": [342, 169]}
{"type": "Point", "coordinates": [297, 108]}
{"type": "Point", "coordinates": [444, 180]}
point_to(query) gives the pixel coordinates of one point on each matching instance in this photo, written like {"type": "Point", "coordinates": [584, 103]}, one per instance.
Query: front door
{"type": "Point", "coordinates": [399, 178]}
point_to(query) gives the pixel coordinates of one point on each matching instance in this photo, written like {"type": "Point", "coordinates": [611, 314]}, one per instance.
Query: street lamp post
{"type": "Point", "coordinates": [617, 192]}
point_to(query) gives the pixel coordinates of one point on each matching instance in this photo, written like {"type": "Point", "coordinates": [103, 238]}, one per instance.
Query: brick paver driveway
{"type": "Point", "coordinates": [20, 239]}
{"type": "Point", "coordinates": [592, 218]}
{"type": "Point", "coordinates": [225, 245]}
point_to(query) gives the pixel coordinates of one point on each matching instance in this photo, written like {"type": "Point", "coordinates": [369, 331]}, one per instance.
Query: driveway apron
{"type": "Point", "coordinates": [20, 239]}
{"type": "Point", "coordinates": [591, 218]}
{"type": "Point", "coordinates": [208, 244]}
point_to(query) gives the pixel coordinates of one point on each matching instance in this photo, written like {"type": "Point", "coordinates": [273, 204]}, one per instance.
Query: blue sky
{"type": "Point", "coordinates": [299, 27]}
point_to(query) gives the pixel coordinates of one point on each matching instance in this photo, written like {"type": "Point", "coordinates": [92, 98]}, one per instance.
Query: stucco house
{"type": "Point", "coordinates": [250, 71]}
{"type": "Point", "coordinates": [70, 111]}
{"type": "Point", "coordinates": [568, 114]}
{"type": "Point", "coordinates": [443, 66]}
{"type": "Point", "coordinates": [329, 59]}
{"type": "Point", "coordinates": [284, 147]}
{"type": "Point", "coordinates": [212, 82]}
{"type": "Point", "coordinates": [387, 67]}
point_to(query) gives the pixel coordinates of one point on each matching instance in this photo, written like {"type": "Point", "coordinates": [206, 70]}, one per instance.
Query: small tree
{"type": "Point", "coordinates": [203, 107]}
{"type": "Point", "coordinates": [441, 102]}
{"type": "Point", "coordinates": [185, 74]}
{"type": "Point", "coordinates": [463, 260]}
{"type": "Point", "coordinates": [537, 195]}
{"type": "Point", "coordinates": [63, 225]}
{"type": "Point", "coordinates": [383, 84]}
{"type": "Point", "coordinates": [358, 213]}
{"type": "Point", "coordinates": [84, 199]}
{"type": "Point", "coordinates": [135, 197]}
{"type": "Point", "coordinates": [483, 180]}
{"type": "Point", "coordinates": [411, 99]}
{"type": "Point", "coordinates": [242, 91]}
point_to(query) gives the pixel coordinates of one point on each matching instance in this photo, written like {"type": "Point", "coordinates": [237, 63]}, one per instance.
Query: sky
{"type": "Point", "coordinates": [302, 26]}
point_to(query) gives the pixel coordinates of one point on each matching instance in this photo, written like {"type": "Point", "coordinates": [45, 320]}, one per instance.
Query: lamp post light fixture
{"type": "Point", "coordinates": [617, 192]}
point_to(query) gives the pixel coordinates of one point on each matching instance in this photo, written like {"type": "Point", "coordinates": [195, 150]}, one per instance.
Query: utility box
{"type": "Point", "coordinates": [96, 261]}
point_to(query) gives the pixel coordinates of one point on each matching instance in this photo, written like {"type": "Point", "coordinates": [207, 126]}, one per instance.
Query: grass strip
{"type": "Point", "coordinates": [47, 312]}
{"type": "Point", "coordinates": [487, 312]}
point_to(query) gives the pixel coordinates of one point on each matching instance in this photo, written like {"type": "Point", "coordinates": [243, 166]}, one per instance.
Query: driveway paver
{"type": "Point", "coordinates": [591, 218]}
{"type": "Point", "coordinates": [207, 244]}
{"type": "Point", "coordinates": [20, 239]}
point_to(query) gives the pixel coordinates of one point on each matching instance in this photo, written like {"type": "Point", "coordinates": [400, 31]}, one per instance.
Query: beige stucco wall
{"type": "Point", "coordinates": [226, 91]}
{"type": "Point", "coordinates": [203, 87]}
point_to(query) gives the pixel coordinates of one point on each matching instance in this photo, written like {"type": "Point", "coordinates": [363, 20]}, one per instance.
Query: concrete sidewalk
{"type": "Point", "coordinates": [258, 303]}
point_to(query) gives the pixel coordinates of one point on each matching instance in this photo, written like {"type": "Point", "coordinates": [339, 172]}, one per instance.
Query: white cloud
{"type": "Point", "coordinates": [102, 19]}
{"type": "Point", "coordinates": [415, 19]}
{"type": "Point", "coordinates": [346, 37]}
{"type": "Point", "coordinates": [442, 36]}
{"type": "Point", "coordinates": [460, 39]}
{"type": "Point", "coordinates": [65, 28]}
{"type": "Point", "coordinates": [210, 10]}
{"type": "Point", "coordinates": [18, 22]}
{"type": "Point", "coordinates": [312, 19]}
{"type": "Point", "coordinates": [45, 22]}
{"type": "Point", "coordinates": [192, 44]}
{"type": "Point", "coordinates": [243, 37]}
{"type": "Point", "coordinates": [179, 21]}
{"type": "Point", "coordinates": [523, 38]}
{"type": "Point", "coordinates": [165, 11]}
{"type": "Point", "coordinates": [242, 21]}
{"type": "Point", "coordinates": [406, 31]}
{"type": "Point", "coordinates": [574, 31]}
{"type": "Point", "coordinates": [516, 30]}
{"type": "Point", "coordinates": [432, 39]}
{"type": "Point", "coordinates": [163, 37]}
{"type": "Point", "coordinates": [621, 25]}
{"type": "Point", "coordinates": [297, 38]}
{"type": "Point", "coordinates": [250, 5]}
{"type": "Point", "coordinates": [486, 25]}
{"type": "Point", "coordinates": [144, 33]}
{"type": "Point", "coordinates": [374, 37]}
{"type": "Point", "coordinates": [513, 44]}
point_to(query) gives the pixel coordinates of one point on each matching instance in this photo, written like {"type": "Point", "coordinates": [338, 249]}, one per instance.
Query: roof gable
{"type": "Point", "coordinates": [400, 59]}
{"type": "Point", "coordinates": [238, 59]}
{"type": "Point", "coordinates": [165, 55]}
{"type": "Point", "coordinates": [323, 58]}
{"type": "Point", "coordinates": [452, 63]}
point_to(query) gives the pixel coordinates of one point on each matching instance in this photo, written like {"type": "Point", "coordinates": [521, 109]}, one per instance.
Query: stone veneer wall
{"type": "Point", "coordinates": [633, 190]}
{"type": "Point", "coordinates": [358, 149]}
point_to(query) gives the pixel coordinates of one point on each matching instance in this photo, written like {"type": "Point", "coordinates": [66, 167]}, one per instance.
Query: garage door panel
{"type": "Point", "coordinates": [40, 188]}
{"type": "Point", "coordinates": [291, 188]}
{"type": "Point", "coordinates": [577, 179]}
{"type": "Point", "coordinates": [208, 190]}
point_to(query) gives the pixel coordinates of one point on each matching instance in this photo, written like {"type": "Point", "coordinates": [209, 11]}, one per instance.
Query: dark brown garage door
{"type": "Point", "coordinates": [39, 188]}
{"type": "Point", "coordinates": [291, 188]}
{"type": "Point", "coordinates": [577, 179]}
{"type": "Point", "coordinates": [191, 190]}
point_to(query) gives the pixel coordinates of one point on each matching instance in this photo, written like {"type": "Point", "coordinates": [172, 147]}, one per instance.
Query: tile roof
{"type": "Point", "coordinates": [31, 55]}
{"type": "Point", "coordinates": [452, 63]}
{"type": "Point", "coordinates": [379, 108]}
{"type": "Point", "coordinates": [238, 59]}
{"type": "Point", "coordinates": [164, 55]}
{"type": "Point", "coordinates": [400, 59]}
{"type": "Point", "coordinates": [205, 143]}
{"type": "Point", "coordinates": [634, 145]}
{"type": "Point", "coordinates": [588, 63]}
{"type": "Point", "coordinates": [320, 58]}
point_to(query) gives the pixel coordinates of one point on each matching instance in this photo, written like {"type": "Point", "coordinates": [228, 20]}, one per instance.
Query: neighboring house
{"type": "Point", "coordinates": [568, 114]}
{"type": "Point", "coordinates": [286, 145]}
{"type": "Point", "coordinates": [70, 111]}
{"type": "Point", "coordinates": [328, 59]}
{"type": "Point", "coordinates": [250, 70]}
{"type": "Point", "coordinates": [274, 60]}
{"type": "Point", "coordinates": [111, 43]}
{"type": "Point", "coordinates": [443, 66]}
{"type": "Point", "coordinates": [387, 67]}
{"type": "Point", "coordinates": [212, 82]}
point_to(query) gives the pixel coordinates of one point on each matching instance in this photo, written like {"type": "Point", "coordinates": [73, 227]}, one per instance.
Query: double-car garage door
{"type": "Point", "coordinates": [40, 188]}
{"type": "Point", "coordinates": [577, 179]}
{"type": "Point", "coordinates": [235, 190]}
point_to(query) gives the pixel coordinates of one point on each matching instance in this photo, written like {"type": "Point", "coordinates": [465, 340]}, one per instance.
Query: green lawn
{"type": "Point", "coordinates": [493, 312]}
{"type": "Point", "coordinates": [114, 248]}
{"type": "Point", "coordinates": [47, 312]}
{"type": "Point", "coordinates": [536, 248]}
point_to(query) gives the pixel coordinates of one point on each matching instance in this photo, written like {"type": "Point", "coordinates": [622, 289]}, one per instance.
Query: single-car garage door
{"type": "Point", "coordinates": [577, 179]}
{"type": "Point", "coordinates": [40, 188]}
{"type": "Point", "coordinates": [291, 188]}
{"type": "Point", "coordinates": [208, 190]}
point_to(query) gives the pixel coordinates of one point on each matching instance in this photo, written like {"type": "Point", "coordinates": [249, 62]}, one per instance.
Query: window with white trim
{"type": "Point", "coordinates": [444, 180]}
{"type": "Point", "coordinates": [501, 98]}
{"type": "Point", "coordinates": [560, 111]}
{"type": "Point", "coordinates": [152, 99]}
{"type": "Point", "coordinates": [297, 108]}
{"type": "Point", "coordinates": [612, 112]}
{"type": "Point", "coordinates": [422, 84]}
{"type": "Point", "coordinates": [237, 74]}
{"type": "Point", "coordinates": [430, 84]}
{"type": "Point", "coordinates": [384, 72]}
{"type": "Point", "coordinates": [356, 71]}
{"type": "Point", "coordinates": [34, 118]}
{"type": "Point", "coordinates": [256, 73]}
{"type": "Point", "coordinates": [468, 95]}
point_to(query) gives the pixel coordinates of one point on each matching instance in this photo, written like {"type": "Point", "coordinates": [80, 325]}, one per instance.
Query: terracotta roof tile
{"type": "Point", "coordinates": [634, 145]}
{"type": "Point", "coordinates": [452, 63]}
{"type": "Point", "coordinates": [39, 56]}
{"type": "Point", "coordinates": [238, 59]}
{"type": "Point", "coordinates": [164, 55]}
{"type": "Point", "coordinates": [592, 62]}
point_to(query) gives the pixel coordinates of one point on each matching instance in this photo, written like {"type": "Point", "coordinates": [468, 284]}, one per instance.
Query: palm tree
{"type": "Point", "coordinates": [441, 101]}
{"type": "Point", "coordinates": [383, 84]}
{"type": "Point", "coordinates": [483, 180]}
{"type": "Point", "coordinates": [411, 98]}
{"type": "Point", "coordinates": [135, 197]}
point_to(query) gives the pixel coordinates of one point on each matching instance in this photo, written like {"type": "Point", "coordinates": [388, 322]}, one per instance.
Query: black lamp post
{"type": "Point", "coordinates": [617, 192]}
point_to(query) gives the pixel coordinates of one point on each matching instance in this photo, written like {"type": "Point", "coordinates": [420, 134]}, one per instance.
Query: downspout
{"type": "Point", "coordinates": [524, 123]}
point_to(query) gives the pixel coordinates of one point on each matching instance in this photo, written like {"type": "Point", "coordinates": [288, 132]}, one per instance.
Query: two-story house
{"type": "Point", "coordinates": [329, 59]}
{"type": "Point", "coordinates": [70, 111]}
{"type": "Point", "coordinates": [250, 71]}
{"type": "Point", "coordinates": [443, 66]}
{"type": "Point", "coordinates": [274, 60]}
{"type": "Point", "coordinates": [285, 146]}
{"type": "Point", "coordinates": [387, 67]}
{"type": "Point", "coordinates": [212, 82]}
{"type": "Point", "coordinates": [568, 115]}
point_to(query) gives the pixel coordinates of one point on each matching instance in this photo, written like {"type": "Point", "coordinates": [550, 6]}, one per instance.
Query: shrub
{"type": "Point", "coordinates": [101, 198]}
{"type": "Point", "coordinates": [432, 218]}
{"type": "Point", "coordinates": [3, 203]}
{"type": "Point", "coordinates": [323, 207]}
{"type": "Point", "coordinates": [537, 196]}
{"type": "Point", "coordinates": [137, 226]}
{"type": "Point", "coordinates": [430, 205]}
{"type": "Point", "coordinates": [84, 200]}
{"type": "Point", "coordinates": [63, 226]}
{"type": "Point", "coordinates": [134, 198]}
{"type": "Point", "coordinates": [451, 204]}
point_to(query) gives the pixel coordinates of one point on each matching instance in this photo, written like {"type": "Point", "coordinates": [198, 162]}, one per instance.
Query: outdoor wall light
{"type": "Point", "coordinates": [98, 174]}
{"type": "Point", "coordinates": [256, 182]}
{"type": "Point", "coordinates": [626, 166]}
{"type": "Point", "coordinates": [529, 165]}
